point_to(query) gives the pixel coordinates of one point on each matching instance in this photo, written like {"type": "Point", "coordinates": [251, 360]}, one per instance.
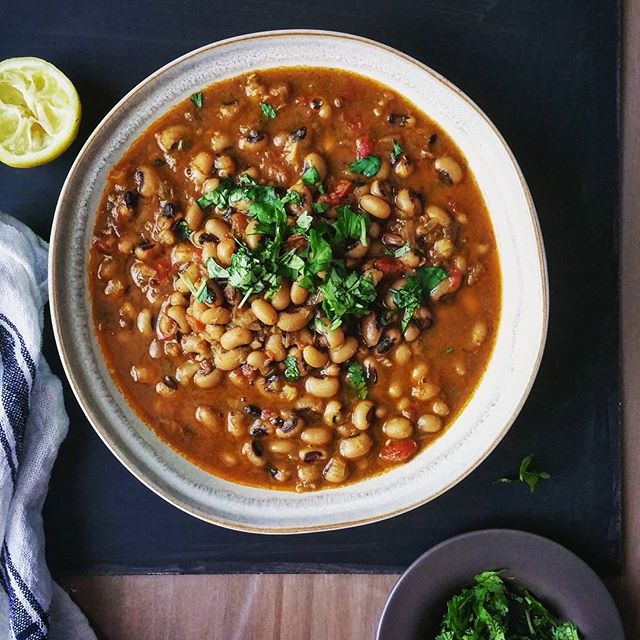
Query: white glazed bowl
{"type": "Point", "coordinates": [520, 336]}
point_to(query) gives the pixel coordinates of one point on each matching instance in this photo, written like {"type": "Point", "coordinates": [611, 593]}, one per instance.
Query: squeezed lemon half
{"type": "Point", "coordinates": [39, 112]}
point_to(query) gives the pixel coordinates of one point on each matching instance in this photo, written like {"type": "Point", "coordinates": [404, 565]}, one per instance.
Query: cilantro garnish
{"type": "Point", "coordinates": [448, 351]}
{"type": "Point", "coordinates": [291, 370]}
{"type": "Point", "coordinates": [197, 99]}
{"type": "Point", "coordinates": [320, 207]}
{"type": "Point", "coordinates": [367, 167]}
{"type": "Point", "coordinates": [397, 151]}
{"type": "Point", "coordinates": [310, 176]}
{"type": "Point", "coordinates": [303, 223]}
{"type": "Point", "coordinates": [181, 229]}
{"type": "Point", "coordinates": [416, 291]}
{"type": "Point", "coordinates": [346, 293]}
{"type": "Point", "coordinates": [400, 251]}
{"type": "Point", "coordinates": [528, 476]}
{"type": "Point", "coordinates": [496, 609]}
{"type": "Point", "coordinates": [351, 226]}
{"type": "Point", "coordinates": [357, 379]}
{"type": "Point", "coordinates": [268, 111]}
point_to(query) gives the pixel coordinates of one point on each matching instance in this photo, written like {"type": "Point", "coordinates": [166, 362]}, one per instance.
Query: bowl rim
{"type": "Point", "coordinates": [84, 399]}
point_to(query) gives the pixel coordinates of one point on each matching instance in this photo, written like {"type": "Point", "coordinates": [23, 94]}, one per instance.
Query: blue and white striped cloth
{"type": "Point", "coordinates": [33, 423]}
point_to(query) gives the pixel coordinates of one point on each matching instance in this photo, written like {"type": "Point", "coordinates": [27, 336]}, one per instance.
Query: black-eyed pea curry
{"type": "Point", "coordinates": [294, 278]}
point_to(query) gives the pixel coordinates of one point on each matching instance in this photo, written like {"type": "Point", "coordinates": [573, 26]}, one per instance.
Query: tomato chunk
{"type": "Point", "coordinates": [195, 324]}
{"type": "Point", "coordinates": [163, 268]}
{"type": "Point", "coordinates": [364, 147]}
{"type": "Point", "coordinates": [388, 265]}
{"type": "Point", "coordinates": [239, 222]}
{"type": "Point", "coordinates": [339, 192]}
{"type": "Point", "coordinates": [399, 450]}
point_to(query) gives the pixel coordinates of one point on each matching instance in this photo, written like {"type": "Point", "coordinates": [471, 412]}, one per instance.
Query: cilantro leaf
{"type": "Point", "coordinates": [291, 370]}
{"type": "Point", "coordinates": [400, 251]}
{"type": "Point", "coordinates": [320, 207]}
{"type": "Point", "coordinates": [527, 476]}
{"type": "Point", "coordinates": [310, 176]}
{"type": "Point", "coordinates": [268, 111]}
{"type": "Point", "coordinates": [351, 226]}
{"type": "Point", "coordinates": [416, 290]}
{"type": "Point", "coordinates": [448, 351]}
{"type": "Point", "coordinates": [397, 151]}
{"type": "Point", "coordinates": [303, 223]}
{"type": "Point", "coordinates": [181, 229]}
{"type": "Point", "coordinates": [367, 167]}
{"type": "Point", "coordinates": [346, 294]}
{"type": "Point", "coordinates": [197, 99]}
{"type": "Point", "coordinates": [357, 379]}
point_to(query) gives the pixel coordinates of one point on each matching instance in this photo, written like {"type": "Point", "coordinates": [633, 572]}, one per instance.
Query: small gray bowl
{"type": "Point", "coordinates": [555, 575]}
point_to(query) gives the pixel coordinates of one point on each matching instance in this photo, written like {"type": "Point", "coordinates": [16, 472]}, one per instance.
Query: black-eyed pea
{"type": "Point", "coordinates": [460, 367]}
{"type": "Point", "coordinates": [281, 447]}
{"type": "Point", "coordinates": [282, 297]}
{"type": "Point", "coordinates": [375, 206]}
{"type": "Point", "coordinates": [228, 459]}
{"type": "Point", "coordinates": [275, 348]}
{"type": "Point", "coordinates": [252, 237]}
{"type": "Point", "coordinates": [252, 451]}
{"type": "Point", "coordinates": [146, 181]}
{"type": "Point", "coordinates": [370, 330]}
{"type": "Point", "coordinates": [264, 311]}
{"type": "Point", "coordinates": [311, 455]}
{"type": "Point", "coordinates": [345, 351]}
{"type": "Point", "coordinates": [107, 268]}
{"type": "Point", "coordinates": [335, 471]}
{"type": "Point", "coordinates": [229, 360]}
{"type": "Point", "coordinates": [384, 171]}
{"type": "Point", "coordinates": [425, 391]}
{"type": "Point", "coordinates": [363, 414]}
{"type": "Point", "coordinates": [208, 380]}
{"type": "Point", "coordinates": [214, 332]}
{"type": "Point", "coordinates": [478, 333]}
{"type": "Point", "coordinates": [194, 216]}
{"type": "Point", "coordinates": [146, 251]}
{"type": "Point", "coordinates": [443, 248]}
{"type": "Point", "coordinates": [225, 165]}
{"type": "Point", "coordinates": [179, 299]}
{"type": "Point", "coordinates": [258, 359]}
{"type": "Point", "coordinates": [440, 408]}
{"type": "Point", "coordinates": [141, 374]}
{"type": "Point", "coordinates": [226, 249]}
{"type": "Point", "coordinates": [164, 390]}
{"type": "Point", "coordinates": [144, 322]}
{"type": "Point", "coordinates": [404, 167]}
{"type": "Point", "coordinates": [236, 423]}
{"type": "Point", "coordinates": [419, 372]}
{"type": "Point", "coordinates": [236, 337]}
{"type": "Point", "coordinates": [448, 169]}
{"type": "Point", "coordinates": [439, 215]}
{"type": "Point", "coordinates": [429, 423]}
{"type": "Point", "coordinates": [316, 436]}
{"type": "Point", "coordinates": [407, 203]}
{"type": "Point", "coordinates": [209, 250]}
{"type": "Point", "coordinates": [298, 294]}
{"type": "Point", "coordinates": [167, 236]}
{"type": "Point", "coordinates": [126, 244]}
{"type": "Point", "coordinates": [382, 189]}
{"type": "Point", "coordinates": [403, 354]}
{"type": "Point", "coordinates": [216, 315]}
{"type": "Point", "coordinates": [356, 446]}
{"type": "Point", "coordinates": [209, 417]}
{"type": "Point", "coordinates": [294, 320]}
{"type": "Point", "coordinates": [185, 372]}
{"type": "Point", "coordinates": [332, 414]}
{"type": "Point", "coordinates": [210, 184]}
{"type": "Point", "coordinates": [201, 165]}
{"type": "Point", "coordinates": [156, 350]}
{"type": "Point", "coordinates": [395, 390]}
{"type": "Point", "coordinates": [217, 227]}
{"type": "Point", "coordinates": [289, 393]}
{"type": "Point", "coordinates": [314, 357]}
{"type": "Point", "coordinates": [179, 315]}
{"type": "Point", "coordinates": [308, 474]}
{"type": "Point", "coordinates": [171, 137]}
{"type": "Point", "coordinates": [322, 387]}
{"type": "Point", "coordinates": [398, 428]}
{"type": "Point", "coordinates": [220, 141]}
{"type": "Point", "coordinates": [410, 259]}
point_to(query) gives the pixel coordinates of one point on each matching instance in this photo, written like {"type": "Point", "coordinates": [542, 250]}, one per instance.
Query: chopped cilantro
{"type": "Point", "coordinates": [448, 351]}
{"type": "Point", "coordinates": [496, 609]}
{"type": "Point", "coordinates": [303, 223]}
{"type": "Point", "coordinates": [356, 377]}
{"type": "Point", "coordinates": [400, 251]}
{"type": "Point", "coordinates": [291, 370]}
{"type": "Point", "coordinates": [310, 175]}
{"type": "Point", "coordinates": [181, 229]}
{"type": "Point", "coordinates": [346, 293]}
{"type": "Point", "coordinates": [528, 476]}
{"type": "Point", "coordinates": [197, 99]}
{"type": "Point", "coordinates": [397, 151]}
{"type": "Point", "coordinates": [416, 291]}
{"type": "Point", "coordinates": [320, 207]}
{"type": "Point", "coordinates": [367, 167]}
{"type": "Point", "coordinates": [351, 226]}
{"type": "Point", "coordinates": [268, 111]}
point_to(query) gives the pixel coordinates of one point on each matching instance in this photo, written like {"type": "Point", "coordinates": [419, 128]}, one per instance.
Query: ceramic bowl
{"type": "Point", "coordinates": [520, 335]}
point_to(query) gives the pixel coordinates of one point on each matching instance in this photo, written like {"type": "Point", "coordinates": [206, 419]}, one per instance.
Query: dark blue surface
{"type": "Point", "coordinates": [546, 73]}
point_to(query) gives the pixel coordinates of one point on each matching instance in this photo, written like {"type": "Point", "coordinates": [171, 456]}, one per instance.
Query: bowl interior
{"type": "Point", "coordinates": [519, 341]}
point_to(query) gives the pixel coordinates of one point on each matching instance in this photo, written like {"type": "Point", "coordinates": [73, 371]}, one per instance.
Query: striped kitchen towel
{"type": "Point", "coordinates": [33, 423]}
